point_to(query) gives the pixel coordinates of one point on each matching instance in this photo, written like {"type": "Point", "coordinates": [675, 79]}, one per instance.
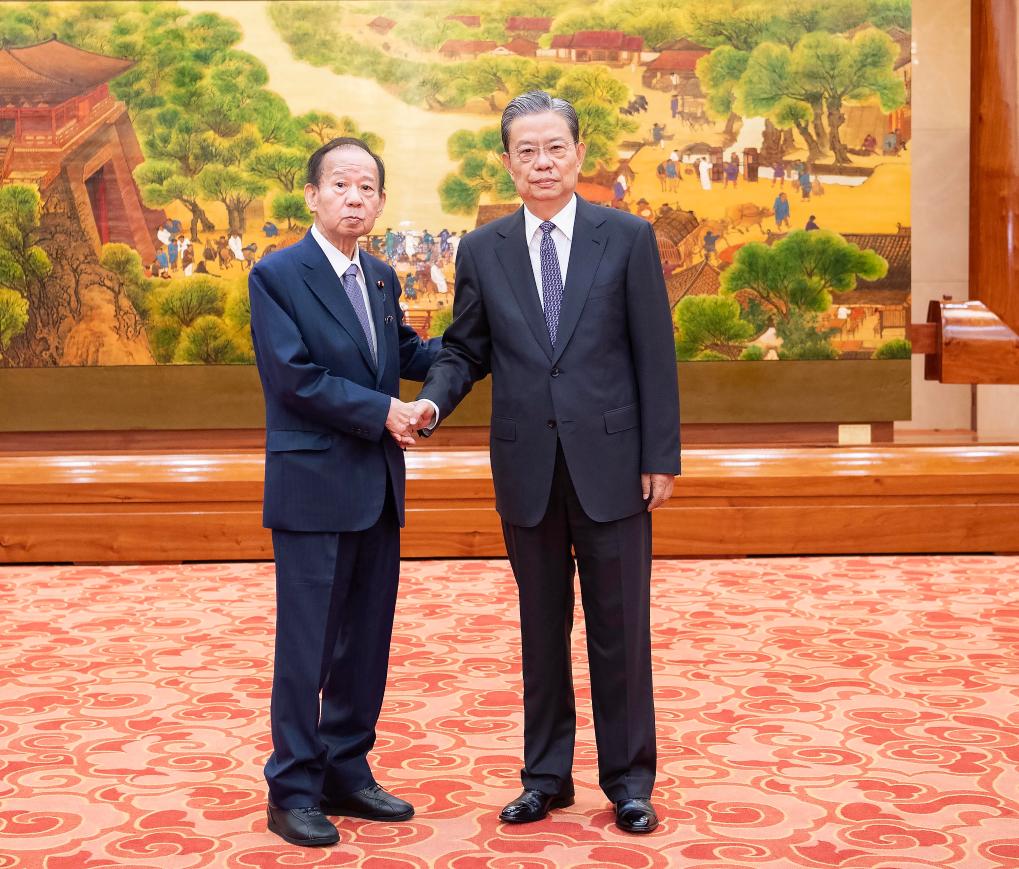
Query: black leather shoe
{"type": "Point", "coordinates": [304, 826]}
{"type": "Point", "coordinates": [372, 803]}
{"type": "Point", "coordinates": [636, 816]}
{"type": "Point", "coordinates": [533, 806]}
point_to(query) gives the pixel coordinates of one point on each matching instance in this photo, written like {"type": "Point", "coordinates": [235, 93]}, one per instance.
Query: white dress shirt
{"type": "Point", "coordinates": [562, 237]}
{"type": "Point", "coordinates": [340, 263]}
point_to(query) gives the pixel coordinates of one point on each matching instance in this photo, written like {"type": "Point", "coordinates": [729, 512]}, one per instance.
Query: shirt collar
{"type": "Point", "coordinates": [337, 258]}
{"type": "Point", "coordinates": [564, 220]}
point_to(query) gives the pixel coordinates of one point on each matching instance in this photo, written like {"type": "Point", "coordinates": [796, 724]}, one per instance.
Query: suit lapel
{"type": "Point", "coordinates": [516, 262]}
{"type": "Point", "coordinates": [586, 249]}
{"type": "Point", "coordinates": [377, 297]}
{"type": "Point", "coordinates": [328, 288]}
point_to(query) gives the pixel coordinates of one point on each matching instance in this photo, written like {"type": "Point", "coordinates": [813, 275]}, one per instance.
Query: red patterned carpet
{"type": "Point", "coordinates": [849, 712]}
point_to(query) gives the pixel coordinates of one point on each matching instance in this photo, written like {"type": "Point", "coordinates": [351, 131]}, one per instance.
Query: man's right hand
{"type": "Point", "coordinates": [405, 419]}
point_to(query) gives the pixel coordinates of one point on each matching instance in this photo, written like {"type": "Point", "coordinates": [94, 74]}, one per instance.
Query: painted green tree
{"type": "Point", "coordinates": [179, 151]}
{"type": "Point", "coordinates": [811, 83]}
{"type": "Point", "coordinates": [13, 317]}
{"type": "Point", "coordinates": [804, 338]}
{"type": "Point", "coordinates": [709, 327]}
{"type": "Point", "coordinates": [280, 165]}
{"type": "Point", "coordinates": [24, 267]}
{"type": "Point", "coordinates": [658, 21]}
{"type": "Point", "coordinates": [597, 95]}
{"type": "Point", "coordinates": [123, 275]}
{"type": "Point", "coordinates": [719, 73]}
{"type": "Point", "coordinates": [440, 322]}
{"type": "Point", "coordinates": [238, 317]}
{"type": "Point", "coordinates": [208, 125]}
{"type": "Point", "coordinates": [174, 306]}
{"type": "Point", "coordinates": [320, 127]}
{"type": "Point", "coordinates": [738, 24]}
{"type": "Point", "coordinates": [490, 78]}
{"type": "Point", "coordinates": [787, 63]}
{"type": "Point", "coordinates": [292, 208]}
{"type": "Point", "coordinates": [800, 272]}
{"type": "Point", "coordinates": [235, 188]}
{"type": "Point", "coordinates": [481, 171]}
{"type": "Point", "coordinates": [207, 341]}
{"type": "Point", "coordinates": [897, 348]}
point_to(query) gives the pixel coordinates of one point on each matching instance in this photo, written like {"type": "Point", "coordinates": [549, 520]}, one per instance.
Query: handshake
{"type": "Point", "coordinates": [405, 419]}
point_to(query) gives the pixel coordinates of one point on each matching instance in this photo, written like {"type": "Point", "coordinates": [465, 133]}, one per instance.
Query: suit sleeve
{"type": "Point", "coordinates": [654, 356]}
{"type": "Point", "coordinates": [308, 389]}
{"type": "Point", "coordinates": [416, 355]}
{"type": "Point", "coordinates": [467, 343]}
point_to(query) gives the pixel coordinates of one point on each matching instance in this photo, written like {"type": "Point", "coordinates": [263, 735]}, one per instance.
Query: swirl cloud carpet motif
{"type": "Point", "coordinates": [860, 713]}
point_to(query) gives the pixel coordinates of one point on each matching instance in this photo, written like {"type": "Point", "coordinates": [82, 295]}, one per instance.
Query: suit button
{"type": "Point", "coordinates": [555, 371]}
{"type": "Point", "coordinates": [550, 423]}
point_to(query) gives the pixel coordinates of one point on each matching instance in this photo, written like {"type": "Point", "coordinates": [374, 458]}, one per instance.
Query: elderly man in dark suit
{"type": "Point", "coordinates": [331, 347]}
{"type": "Point", "coordinates": [565, 304]}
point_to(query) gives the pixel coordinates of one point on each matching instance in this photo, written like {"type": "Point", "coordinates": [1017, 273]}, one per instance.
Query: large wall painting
{"type": "Point", "coordinates": [150, 153]}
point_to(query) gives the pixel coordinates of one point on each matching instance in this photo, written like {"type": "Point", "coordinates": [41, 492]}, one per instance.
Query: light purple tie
{"type": "Point", "coordinates": [357, 300]}
{"type": "Point", "coordinates": [551, 280]}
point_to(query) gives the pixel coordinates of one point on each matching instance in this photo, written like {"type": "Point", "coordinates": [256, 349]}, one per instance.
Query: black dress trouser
{"type": "Point", "coordinates": [614, 563]}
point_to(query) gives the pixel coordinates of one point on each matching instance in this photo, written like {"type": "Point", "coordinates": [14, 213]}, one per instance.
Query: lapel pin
{"type": "Point", "coordinates": [380, 284]}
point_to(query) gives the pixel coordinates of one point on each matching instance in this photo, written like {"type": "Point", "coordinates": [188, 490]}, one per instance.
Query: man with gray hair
{"type": "Point", "coordinates": [564, 303]}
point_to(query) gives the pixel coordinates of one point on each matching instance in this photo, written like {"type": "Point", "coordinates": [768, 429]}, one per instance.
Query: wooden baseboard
{"type": "Point", "coordinates": [194, 506]}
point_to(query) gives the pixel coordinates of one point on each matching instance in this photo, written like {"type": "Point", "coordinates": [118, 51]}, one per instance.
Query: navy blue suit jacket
{"type": "Point", "coordinates": [328, 455]}
{"type": "Point", "coordinates": [607, 391]}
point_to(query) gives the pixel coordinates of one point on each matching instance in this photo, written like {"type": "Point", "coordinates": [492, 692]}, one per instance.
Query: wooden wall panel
{"type": "Point", "coordinates": [994, 158]}
{"type": "Point", "coordinates": [729, 502]}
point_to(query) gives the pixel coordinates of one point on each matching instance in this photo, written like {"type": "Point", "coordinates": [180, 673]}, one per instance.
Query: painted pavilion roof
{"type": "Point", "coordinates": [53, 71]}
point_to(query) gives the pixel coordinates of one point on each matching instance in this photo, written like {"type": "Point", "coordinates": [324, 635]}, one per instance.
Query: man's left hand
{"type": "Point", "coordinates": [657, 487]}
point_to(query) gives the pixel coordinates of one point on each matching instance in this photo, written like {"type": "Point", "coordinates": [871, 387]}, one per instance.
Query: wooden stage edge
{"type": "Point", "coordinates": [116, 507]}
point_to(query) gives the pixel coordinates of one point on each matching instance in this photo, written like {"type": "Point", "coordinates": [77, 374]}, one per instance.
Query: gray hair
{"type": "Point", "coordinates": [534, 103]}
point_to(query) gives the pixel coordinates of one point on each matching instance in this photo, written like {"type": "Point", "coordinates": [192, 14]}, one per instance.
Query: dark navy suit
{"type": "Point", "coordinates": [573, 428]}
{"type": "Point", "coordinates": [334, 498]}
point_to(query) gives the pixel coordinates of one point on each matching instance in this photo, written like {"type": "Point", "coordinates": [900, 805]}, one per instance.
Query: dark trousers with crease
{"type": "Point", "coordinates": [614, 562]}
{"type": "Point", "coordinates": [335, 598]}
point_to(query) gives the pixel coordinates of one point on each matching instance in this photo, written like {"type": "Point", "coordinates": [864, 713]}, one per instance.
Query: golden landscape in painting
{"type": "Point", "coordinates": [151, 153]}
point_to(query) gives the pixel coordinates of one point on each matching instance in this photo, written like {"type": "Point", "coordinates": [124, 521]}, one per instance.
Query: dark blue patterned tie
{"type": "Point", "coordinates": [357, 300]}
{"type": "Point", "coordinates": [551, 280]}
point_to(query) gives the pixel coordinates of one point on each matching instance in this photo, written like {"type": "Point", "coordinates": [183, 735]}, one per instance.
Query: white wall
{"type": "Point", "coordinates": [940, 195]}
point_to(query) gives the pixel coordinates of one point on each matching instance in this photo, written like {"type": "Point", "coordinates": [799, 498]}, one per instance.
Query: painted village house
{"type": "Point", "coordinates": [528, 28]}
{"type": "Point", "coordinates": [676, 233]}
{"type": "Point", "coordinates": [466, 20]}
{"type": "Point", "coordinates": [675, 68]}
{"type": "Point", "coordinates": [516, 47]}
{"type": "Point", "coordinates": [455, 49]}
{"type": "Point", "coordinates": [699, 279]}
{"type": "Point", "coordinates": [58, 119]}
{"type": "Point", "coordinates": [876, 311]}
{"type": "Point", "coordinates": [596, 46]}
{"type": "Point", "coordinates": [381, 25]}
